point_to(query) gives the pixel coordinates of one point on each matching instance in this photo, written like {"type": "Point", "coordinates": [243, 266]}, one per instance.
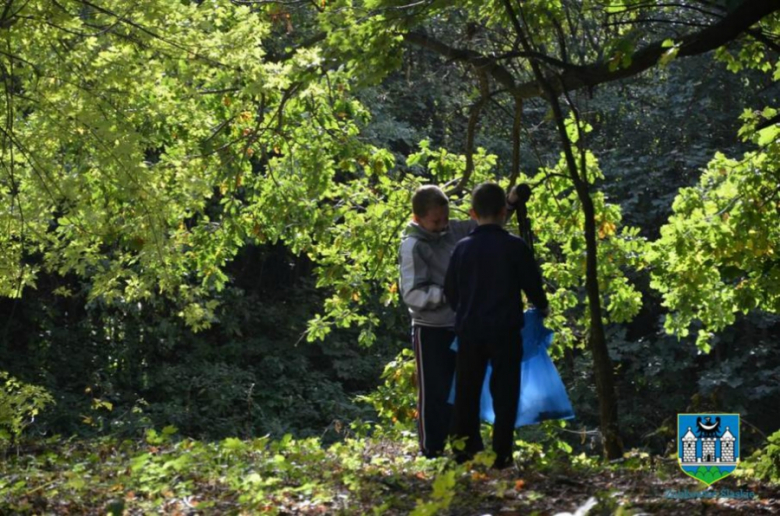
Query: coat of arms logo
{"type": "Point", "coordinates": [708, 445]}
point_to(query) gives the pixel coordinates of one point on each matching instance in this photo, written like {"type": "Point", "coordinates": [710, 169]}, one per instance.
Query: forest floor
{"type": "Point", "coordinates": [165, 474]}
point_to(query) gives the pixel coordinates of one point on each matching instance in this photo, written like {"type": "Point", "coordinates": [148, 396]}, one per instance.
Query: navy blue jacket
{"type": "Point", "coordinates": [487, 272]}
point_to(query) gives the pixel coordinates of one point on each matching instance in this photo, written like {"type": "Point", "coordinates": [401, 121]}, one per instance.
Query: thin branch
{"type": "Point", "coordinates": [537, 154]}
{"type": "Point", "coordinates": [498, 72]}
{"type": "Point", "coordinates": [40, 172]}
{"type": "Point", "coordinates": [13, 15]}
{"type": "Point", "coordinates": [15, 190]}
{"type": "Point", "coordinates": [5, 18]}
{"type": "Point", "coordinates": [535, 55]}
{"type": "Point", "coordinates": [763, 38]}
{"type": "Point", "coordinates": [547, 176]}
{"type": "Point", "coordinates": [305, 44]}
{"type": "Point", "coordinates": [766, 123]}
{"type": "Point", "coordinates": [519, 34]}
{"type": "Point", "coordinates": [561, 38]}
{"type": "Point", "coordinates": [287, 3]}
{"type": "Point", "coordinates": [580, 135]}
{"type": "Point", "coordinates": [32, 65]}
{"type": "Point", "coordinates": [255, 135]}
{"type": "Point", "coordinates": [53, 25]}
{"type": "Point", "coordinates": [285, 97]}
{"type": "Point", "coordinates": [222, 125]}
{"type": "Point", "coordinates": [517, 122]}
{"type": "Point", "coordinates": [216, 92]}
{"type": "Point", "coordinates": [476, 112]}
{"type": "Point", "coordinates": [656, 20]}
{"type": "Point", "coordinates": [658, 5]}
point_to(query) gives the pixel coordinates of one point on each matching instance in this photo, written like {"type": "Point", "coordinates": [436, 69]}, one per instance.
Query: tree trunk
{"type": "Point", "coordinates": [602, 364]}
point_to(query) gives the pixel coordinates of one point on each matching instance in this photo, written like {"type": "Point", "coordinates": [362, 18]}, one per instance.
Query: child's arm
{"type": "Point", "coordinates": [461, 228]}
{"type": "Point", "coordinates": [417, 290]}
{"type": "Point", "coordinates": [451, 282]}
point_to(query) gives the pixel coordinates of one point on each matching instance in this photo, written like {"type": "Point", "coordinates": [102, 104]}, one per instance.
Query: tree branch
{"type": "Point", "coordinates": [498, 72]}
{"type": "Point", "coordinates": [766, 123]}
{"type": "Point", "coordinates": [516, 128]}
{"type": "Point", "coordinates": [652, 5]}
{"type": "Point", "coordinates": [656, 20]}
{"type": "Point", "coordinates": [536, 55]}
{"type": "Point", "coordinates": [575, 77]}
{"type": "Point", "coordinates": [763, 38]}
{"type": "Point", "coordinates": [476, 111]}
{"type": "Point", "coordinates": [705, 40]}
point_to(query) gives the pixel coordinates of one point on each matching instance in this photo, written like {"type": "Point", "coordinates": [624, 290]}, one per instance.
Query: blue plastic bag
{"type": "Point", "coordinates": [542, 394]}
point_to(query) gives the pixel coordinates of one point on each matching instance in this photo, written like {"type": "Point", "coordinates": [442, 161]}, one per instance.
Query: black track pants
{"type": "Point", "coordinates": [505, 353]}
{"type": "Point", "coordinates": [435, 371]}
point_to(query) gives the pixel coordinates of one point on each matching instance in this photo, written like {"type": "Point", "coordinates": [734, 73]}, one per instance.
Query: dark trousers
{"type": "Point", "coordinates": [505, 353]}
{"type": "Point", "coordinates": [435, 371]}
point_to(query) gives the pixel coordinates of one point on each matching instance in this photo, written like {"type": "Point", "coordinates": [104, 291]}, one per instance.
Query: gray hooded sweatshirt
{"type": "Point", "coordinates": [424, 257]}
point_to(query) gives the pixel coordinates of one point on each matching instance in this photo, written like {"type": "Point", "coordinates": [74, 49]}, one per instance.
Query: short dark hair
{"type": "Point", "coordinates": [427, 197]}
{"type": "Point", "coordinates": [488, 199]}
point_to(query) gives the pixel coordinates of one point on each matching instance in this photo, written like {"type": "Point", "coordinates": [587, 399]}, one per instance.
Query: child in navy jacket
{"type": "Point", "coordinates": [487, 273]}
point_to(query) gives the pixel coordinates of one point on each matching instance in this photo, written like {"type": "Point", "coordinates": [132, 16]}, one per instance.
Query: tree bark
{"type": "Point", "coordinates": [602, 363]}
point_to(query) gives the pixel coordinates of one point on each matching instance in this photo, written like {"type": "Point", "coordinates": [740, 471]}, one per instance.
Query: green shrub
{"type": "Point", "coordinates": [19, 404]}
{"type": "Point", "coordinates": [395, 400]}
{"type": "Point", "coordinates": [765, 463]}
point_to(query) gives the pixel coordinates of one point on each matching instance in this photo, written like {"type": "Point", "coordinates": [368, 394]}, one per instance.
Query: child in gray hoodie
{"type": "Point", "coordinates": [424, 255]}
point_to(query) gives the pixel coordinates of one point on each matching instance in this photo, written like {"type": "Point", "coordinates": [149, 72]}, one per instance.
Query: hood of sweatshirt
{"type": "Point", "coordinates": [417, 231]}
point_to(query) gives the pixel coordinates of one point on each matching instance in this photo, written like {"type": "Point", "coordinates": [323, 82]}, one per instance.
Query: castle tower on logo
{"type": "Point", "coordinates": [689, 446]}
{"type": "Point", "coordinates": [709, 449]}
{"type": "Point", "coordinates": [727, 446]}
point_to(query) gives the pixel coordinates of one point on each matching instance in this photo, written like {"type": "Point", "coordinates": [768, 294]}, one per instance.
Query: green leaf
{"type": "Point", "coordinates": [768, 135]}
{"type": "Point", "coordinates": [615, 7]}
{"type": "Point", "coordinates": [668, 56]}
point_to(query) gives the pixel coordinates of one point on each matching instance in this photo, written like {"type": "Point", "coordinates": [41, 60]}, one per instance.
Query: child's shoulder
{"type": "Point", "coordinates": [514, 238]}
{"type": "Point", "coordinates": [516, 241]}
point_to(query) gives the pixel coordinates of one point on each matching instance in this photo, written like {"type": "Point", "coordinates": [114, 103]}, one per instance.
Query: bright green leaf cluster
{"type": "Point", "coordinates": [717, 255]}
{"type": "Point", "coordinates": [558, 222]}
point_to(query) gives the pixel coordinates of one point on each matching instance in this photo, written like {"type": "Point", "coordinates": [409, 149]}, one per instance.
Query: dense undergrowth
{"type": "Point", "coordinates": [377, 474]}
